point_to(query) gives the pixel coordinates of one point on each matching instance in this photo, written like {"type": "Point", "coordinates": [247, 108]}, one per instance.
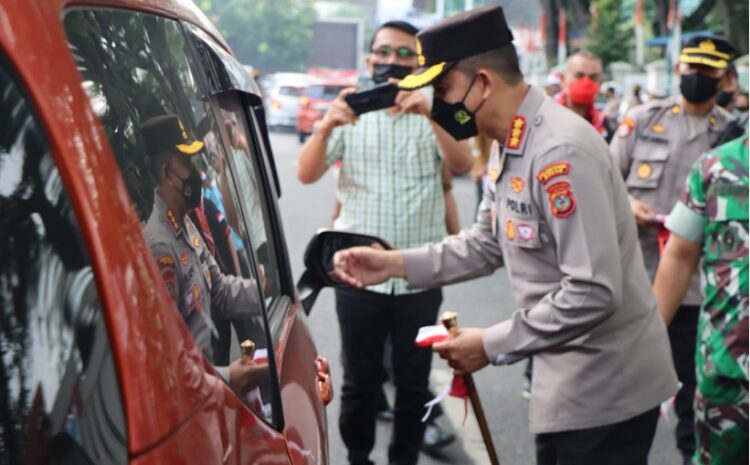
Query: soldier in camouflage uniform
{"type": "Point", "coordinates": [711, 222]}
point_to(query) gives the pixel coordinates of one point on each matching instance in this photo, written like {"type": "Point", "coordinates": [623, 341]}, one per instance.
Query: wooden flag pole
{"type": "Point", "coordinates": [449, 320]}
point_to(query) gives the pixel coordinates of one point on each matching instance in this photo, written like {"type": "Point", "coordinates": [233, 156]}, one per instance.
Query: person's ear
{"type": "Point", "coordinates": [486, 79]}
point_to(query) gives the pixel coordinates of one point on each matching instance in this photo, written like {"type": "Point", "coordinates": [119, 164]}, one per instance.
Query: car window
{"type": "Point", "coordinates": [291, 91]}
{"type": "Point", "coordinates": [324, 92]}
{"type": "Point", "coordinates": [59, 395]}
{"type": "Point", "coordinates": [138, 69]}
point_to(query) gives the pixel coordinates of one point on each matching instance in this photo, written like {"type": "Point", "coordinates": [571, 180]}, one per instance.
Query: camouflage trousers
{"type": "Point", "coordinates": [721, 421]}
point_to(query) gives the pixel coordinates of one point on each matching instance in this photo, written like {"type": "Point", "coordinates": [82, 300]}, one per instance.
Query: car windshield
{"type": "Point", "coordinates": [292, 91]}
{"type": "Point", "coordinates": [324, 92]}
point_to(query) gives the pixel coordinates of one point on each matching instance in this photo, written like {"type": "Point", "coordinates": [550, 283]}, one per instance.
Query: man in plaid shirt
{"type": "Point", "coordinates": [389, 186]}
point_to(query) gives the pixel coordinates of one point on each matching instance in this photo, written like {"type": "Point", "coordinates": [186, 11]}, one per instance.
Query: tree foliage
{"type": "Point", "coordinates": [269, 35]}
{"type": "Point", "coordinates": [607, 36]}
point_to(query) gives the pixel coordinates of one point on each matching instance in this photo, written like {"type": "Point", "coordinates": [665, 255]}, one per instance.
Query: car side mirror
{"type": "Point", "coordinates": [319, 261]}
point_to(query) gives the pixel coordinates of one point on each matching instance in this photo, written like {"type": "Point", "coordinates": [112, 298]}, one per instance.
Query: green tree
{"type": "Point", "coordinates": [269, 35]}
{"type": "Point", "coordinates": [607, 36]}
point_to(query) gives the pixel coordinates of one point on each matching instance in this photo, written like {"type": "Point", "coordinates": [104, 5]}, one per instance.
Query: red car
{"type": "Point", "coordinates": [96, 363]}
{"type": "Point", "coordinates": [315, 102]}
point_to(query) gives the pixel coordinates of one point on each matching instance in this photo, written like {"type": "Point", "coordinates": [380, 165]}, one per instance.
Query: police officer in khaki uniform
{"type": "Point", "coordinates": [557, 217]}
{"type": "Point", "coordinates": [655, 147]}
{"type": "Point", "coordinates": [190, 272]}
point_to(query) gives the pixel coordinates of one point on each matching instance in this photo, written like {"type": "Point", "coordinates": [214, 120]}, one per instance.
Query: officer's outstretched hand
{"type": "Point", "coordinates": [339, 112]}
{"type": "Point", "coordinates": [464, 352]}
{"type": "Point", "coordinates": [364, 266]}
{"type": "Point", "coordinates": [644, 214]}
{"type": "Point", "coordinates": [246, 376]}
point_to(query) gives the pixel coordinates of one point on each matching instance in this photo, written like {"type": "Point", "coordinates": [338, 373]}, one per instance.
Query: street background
{"type": "Point", "coordinates": [480, 303]}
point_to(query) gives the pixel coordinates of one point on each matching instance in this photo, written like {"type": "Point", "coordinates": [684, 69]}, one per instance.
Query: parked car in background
{"type": "Point", "coordinates": [315, 102]}
{"type": "Point", "coordinates": [98, 366]}
{"type": "Point", "coordinates": [283, 98]}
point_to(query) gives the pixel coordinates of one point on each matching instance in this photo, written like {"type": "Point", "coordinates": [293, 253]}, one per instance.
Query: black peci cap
{"type": "Point", "coordinates": [461, 36]}
{"type": "Point", "coordinates": [166, 133]}
{"type": "Point", "coordinates": [708, 50]}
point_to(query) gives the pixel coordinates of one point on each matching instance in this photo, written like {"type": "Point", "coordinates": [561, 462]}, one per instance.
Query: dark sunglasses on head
{"type": "Point", "coordinates": [402, 52]}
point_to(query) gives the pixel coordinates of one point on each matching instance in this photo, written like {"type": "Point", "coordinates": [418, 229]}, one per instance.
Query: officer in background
{"type": "Point", "coordinates": [557, 216]}
{"type": "Point", "coordinates": [655, 147]}
{"type": "Point", "coordinates": [191, 274]}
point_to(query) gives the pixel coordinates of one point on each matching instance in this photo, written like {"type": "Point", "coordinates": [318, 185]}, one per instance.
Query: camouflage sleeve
{"type": "Point", "coordinates": [688, 217]}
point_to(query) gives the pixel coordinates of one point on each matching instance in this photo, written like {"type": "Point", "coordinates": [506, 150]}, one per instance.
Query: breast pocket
{"type": "Point", "coordinates": [648, 166]}
{"type": "Point", "coordinates": [419, 158]}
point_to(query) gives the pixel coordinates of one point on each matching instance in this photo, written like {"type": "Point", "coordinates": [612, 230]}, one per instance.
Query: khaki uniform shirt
{"type": "Point", "coordinates": [655, 148]}
{"type": "Point", "coordinates": [193, 278]}
{"type": "Point", "coordinates": [557, 217]}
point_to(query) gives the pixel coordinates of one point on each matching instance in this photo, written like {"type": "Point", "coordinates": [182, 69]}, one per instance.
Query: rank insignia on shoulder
{"type": "Point", "coordinates": [510, 232]}
{"type": "Point", "coordinates": [516, 139]}
{"type": "Point", "coordinates": [525, 232]}
{"type": "Point", "coordinates": [658, 128]}
{"type": "Point", "coordinates": [516, 184]}
{"type": "Point", "coordinates": [712, 120]}
{"type": "Point", "coordinates": [561, 200]}
{"type": "Point", "coordinates": [553, 170]}
{"type": "Point", "coordinates": [165, 260]}
{"type": "Point", "coordinates": [173, 221]}
{"type": "Point", "coordinates": [676, 110]}
{"type": "Point", "coordinates": [644, 170]}
{"type": "Point", "coordinates": [626, 127]}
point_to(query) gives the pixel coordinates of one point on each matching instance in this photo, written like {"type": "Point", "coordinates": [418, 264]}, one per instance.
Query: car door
{"type": "Point", "coordinates": [136, 65]}
{"type": "Point", "coordinates": [303, 376]}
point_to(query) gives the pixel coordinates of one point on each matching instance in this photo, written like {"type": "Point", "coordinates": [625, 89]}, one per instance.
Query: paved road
{"type": "Point", "coordinates": [480, 303]}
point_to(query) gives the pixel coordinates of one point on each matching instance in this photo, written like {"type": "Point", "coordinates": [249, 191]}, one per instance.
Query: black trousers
{"type": "Point", "coordinates": [624, 443]}
{"type": "Point", "coordinates": [365, 320]}
{"type": "Point", "coordinates": [682, 334]}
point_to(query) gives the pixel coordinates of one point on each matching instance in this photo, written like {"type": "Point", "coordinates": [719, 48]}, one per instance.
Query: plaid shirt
{"type": "Point", "coordinates": [390, 182]}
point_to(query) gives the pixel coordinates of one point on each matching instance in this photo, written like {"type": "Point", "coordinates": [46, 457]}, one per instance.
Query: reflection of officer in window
{"type": "Point", "coordinates": [191, 274]}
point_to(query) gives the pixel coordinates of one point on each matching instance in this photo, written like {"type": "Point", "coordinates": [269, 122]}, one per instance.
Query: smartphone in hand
{"type": "Point", "coordinates": [377, 98]}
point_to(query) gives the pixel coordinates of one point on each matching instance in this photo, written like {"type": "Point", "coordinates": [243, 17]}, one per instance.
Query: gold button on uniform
{"type": "Point", "coordinates": [644, 170]}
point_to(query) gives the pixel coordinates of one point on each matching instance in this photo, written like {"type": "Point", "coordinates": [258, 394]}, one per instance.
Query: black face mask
{"type": "Point", "coordinates": [382, 72]}
{"type": "Point", "coordinates": [724, 98]}
{"type": "Point", "coordinates": [191, 188]}
{"type": "Point", "coordinates": [698, 88]}
{"type": "Point", "coordinates": [455, 118]}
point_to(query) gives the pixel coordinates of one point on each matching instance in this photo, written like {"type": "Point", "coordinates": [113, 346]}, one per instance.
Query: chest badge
{"type": "Point", "coordinates": [525, 232]}
{"type": "Point", "coordinates": [658, 128]}
{"type": "Point", "coordinates": [561, 200]}
{"type": "Point", "coordinates": [197, 242]}
{"type": "Point", "coordinates": [712, 120]}
{"type": "Point", "coordinates": [510, 231]}
{"type": "Point", "coordinates": [516, 184]}
{"type": "Point", "coordinates": [626, 127]}
{"type": "Point", "coordinates": [644, 170]}
{"type": "Point", "coordinates": [184, 259]}
{"type": "Point", "coordinates": [676, 110]}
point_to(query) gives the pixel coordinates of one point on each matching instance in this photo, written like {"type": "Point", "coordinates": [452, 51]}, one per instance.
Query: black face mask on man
{"type": "Point", "coordinates": [697, 87]}
{"type": "Point", "coordinates": [455, 118]}
{"type": "Point", "coordinates": [191, 188]}
{"type": "Point", "coordinates": [382, 72]}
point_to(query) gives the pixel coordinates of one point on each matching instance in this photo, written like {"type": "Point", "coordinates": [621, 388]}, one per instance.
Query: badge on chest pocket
{"type": "Point", "coordinates": [519, 231]}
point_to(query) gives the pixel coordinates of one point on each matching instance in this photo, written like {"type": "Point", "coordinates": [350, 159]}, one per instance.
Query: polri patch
{"type": "Point", "coordinates": [517, 206]}
{"type": "Point", "coordinates": [626, 127]}
{"type": "Point", "coordinates": [561, 200]}
{"type": "Point", "coordinates": [553, 170]}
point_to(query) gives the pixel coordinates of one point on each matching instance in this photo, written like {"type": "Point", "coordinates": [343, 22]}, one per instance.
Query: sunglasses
{"type": "Point", "coordinates": [402, 52]}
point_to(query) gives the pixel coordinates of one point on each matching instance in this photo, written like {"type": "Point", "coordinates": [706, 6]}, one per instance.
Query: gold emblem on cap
{"type": "Point", "coordinates": [644, 170]}
{"type": "Point", "coordinates": [707, 46]}
{"type": "Point", "coordinates": [420, 58]}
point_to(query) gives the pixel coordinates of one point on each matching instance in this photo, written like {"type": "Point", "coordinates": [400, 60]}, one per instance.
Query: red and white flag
{"type": "Point", "coordinates": [429, 335]}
